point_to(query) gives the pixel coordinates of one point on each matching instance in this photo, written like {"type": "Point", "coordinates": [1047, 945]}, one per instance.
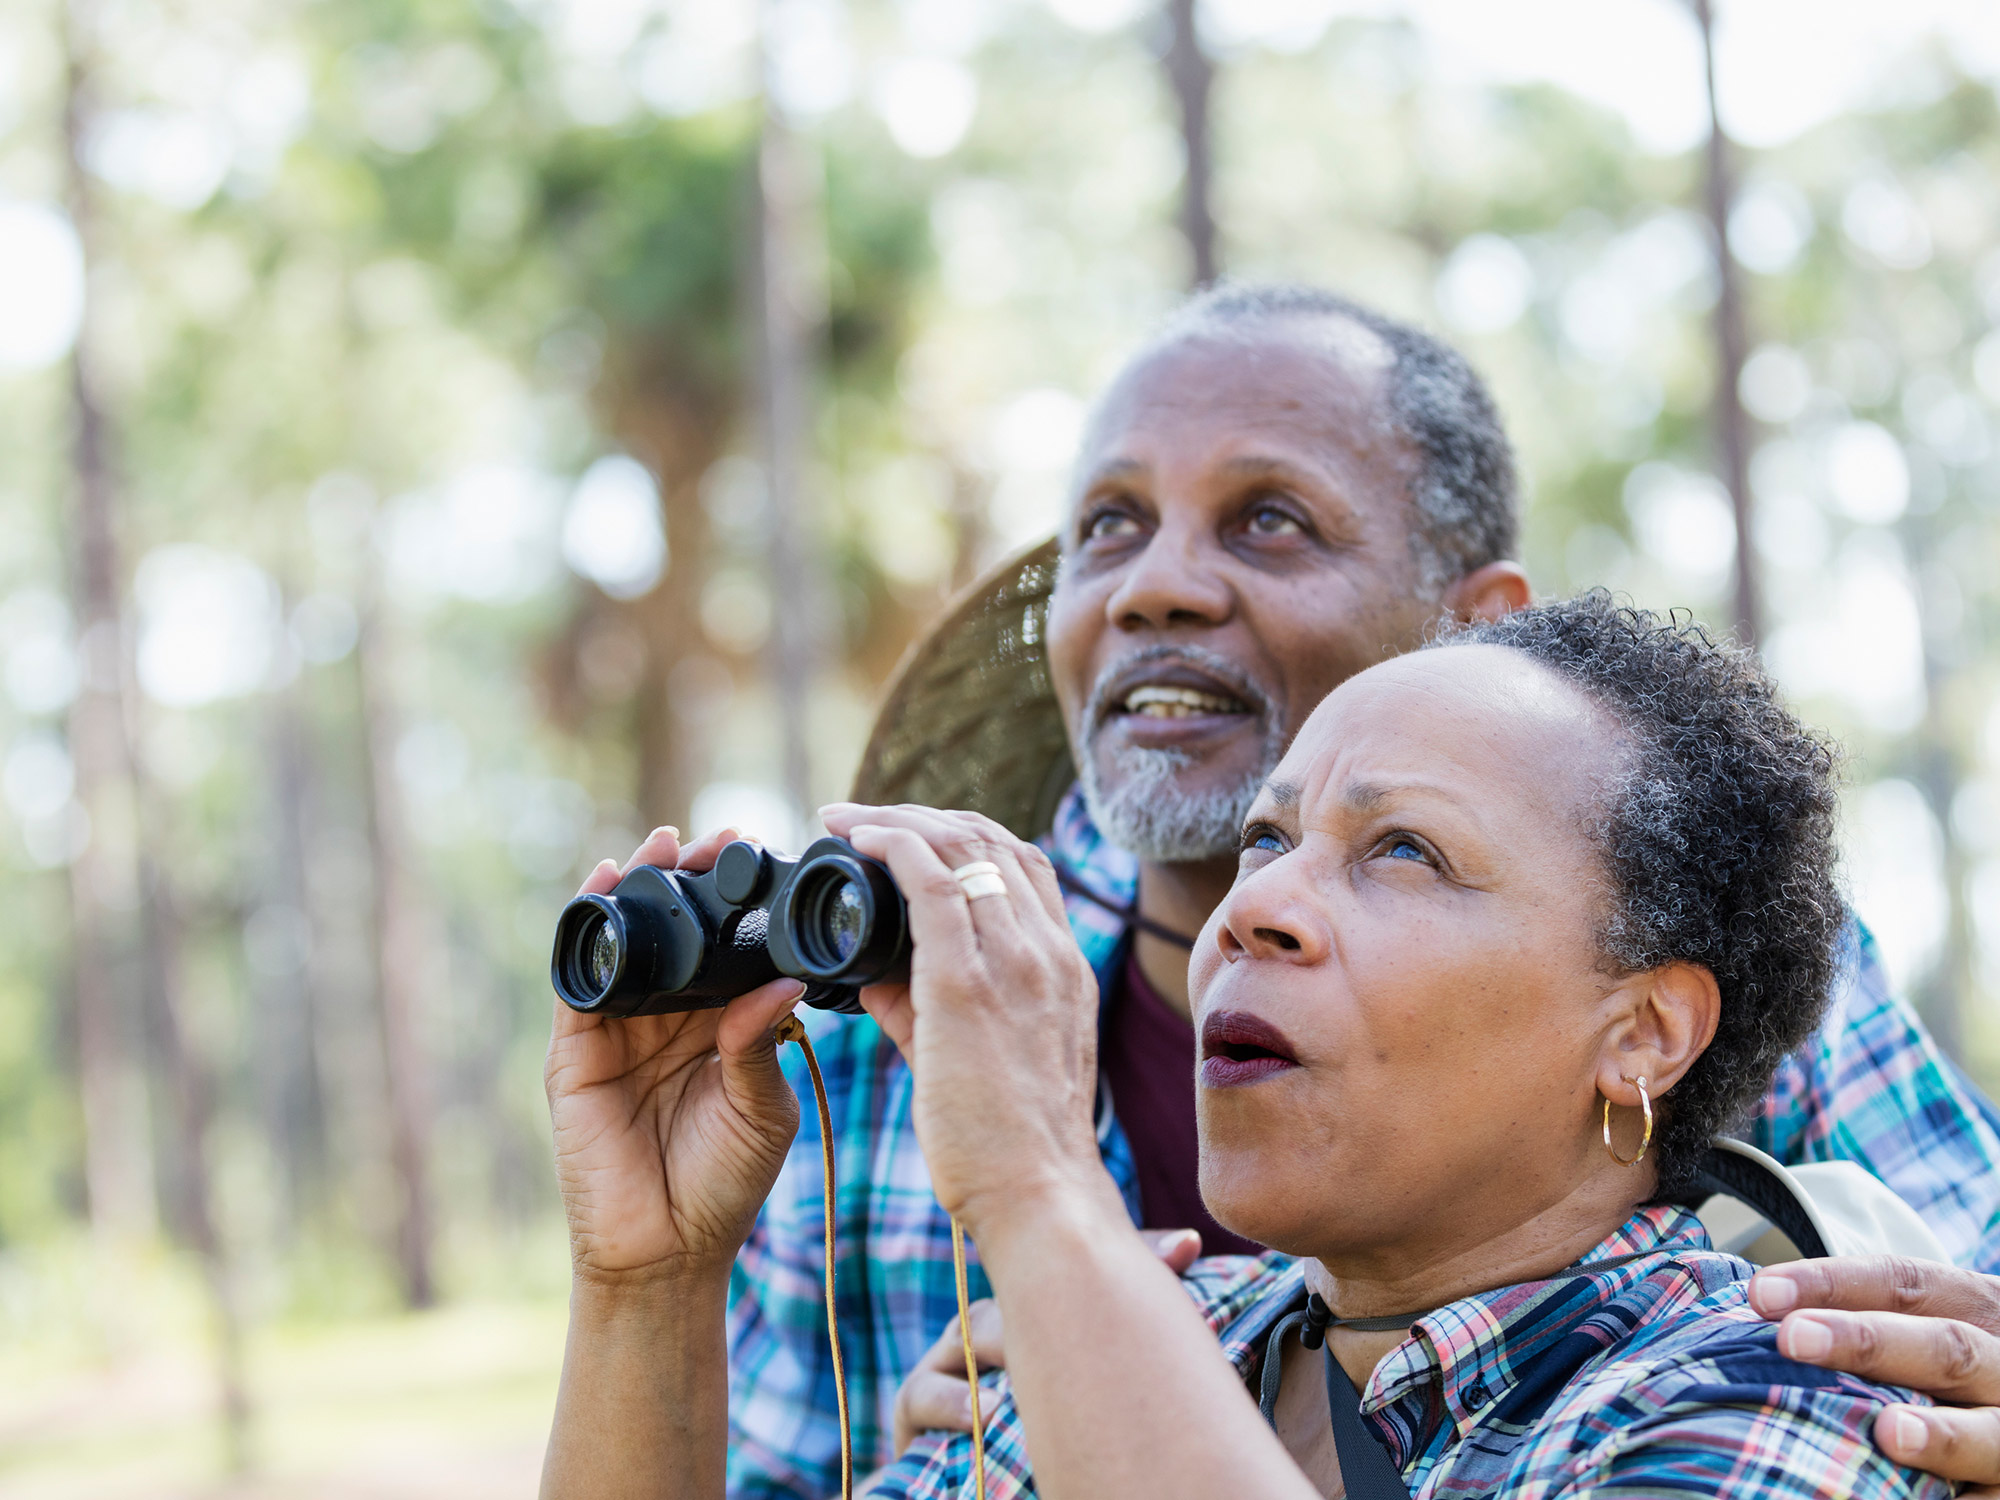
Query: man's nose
{"type": "Point", "coordinates": [1176, 580]}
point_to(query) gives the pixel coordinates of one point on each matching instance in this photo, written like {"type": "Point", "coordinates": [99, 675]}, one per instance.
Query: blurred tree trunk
{"type": "Point", "coordinates": [282, 970]}
{"type": "Point", "coordinates": [408, 966]}
{"type": "Point", "coordinates": [789, 277]}
{"type": "Point", "coordinates": [117, 876]}
{"type": "Point", "coordinates": [1732, 436]}
{"type": "Point", "coordinates": [679, 436]}
{"type": "Point", "coordinates": [1191, 72]}
{"type": "Point", "coordinates": [104, 889]}
{"type": "Point", "coordinates": [191, 1108]}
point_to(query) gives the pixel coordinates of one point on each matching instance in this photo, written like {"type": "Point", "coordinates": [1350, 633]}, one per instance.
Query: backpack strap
{"type": "Point", "coordinates": [1738, 1170]}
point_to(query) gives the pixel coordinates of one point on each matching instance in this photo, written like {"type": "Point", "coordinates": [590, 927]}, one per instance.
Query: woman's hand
{"type": "Point", "coordinates": [669, 1130]}
{"type": "Point", "coordinates": [999, 1018]}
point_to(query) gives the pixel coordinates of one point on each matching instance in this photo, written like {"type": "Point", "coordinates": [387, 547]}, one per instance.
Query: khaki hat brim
{"type": "Point", "coordinates": [970, 719]}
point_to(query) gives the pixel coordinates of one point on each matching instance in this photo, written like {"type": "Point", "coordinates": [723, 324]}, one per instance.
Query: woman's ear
{"type": "Point", "coordinates": [1673, 1016]}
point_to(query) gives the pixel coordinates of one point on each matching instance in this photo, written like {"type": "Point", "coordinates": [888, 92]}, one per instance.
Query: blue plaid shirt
{"type": "Point", "coordinates": [1647, 1378]}
{"type": "Point", "coordinates": [1870, 1087]}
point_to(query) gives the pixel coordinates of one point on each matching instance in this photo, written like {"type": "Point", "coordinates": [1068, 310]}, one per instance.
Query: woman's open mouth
{"type": "Point", "coordinates": [1237, 1048]}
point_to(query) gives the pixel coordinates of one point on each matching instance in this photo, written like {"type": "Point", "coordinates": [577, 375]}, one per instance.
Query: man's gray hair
{"type": "Point", "coordinates": [1465, 491]}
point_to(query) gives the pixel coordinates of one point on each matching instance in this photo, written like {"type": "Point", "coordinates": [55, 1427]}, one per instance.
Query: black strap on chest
{"type": "Point", "coordinates": [1366, 1470]}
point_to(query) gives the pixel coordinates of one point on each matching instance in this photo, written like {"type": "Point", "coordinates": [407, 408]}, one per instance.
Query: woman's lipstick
{"type": "Point", "coordinates": [1237, 1048]}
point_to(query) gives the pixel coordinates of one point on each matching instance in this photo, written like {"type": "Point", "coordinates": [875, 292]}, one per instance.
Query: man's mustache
{"type": "Point", "coordinates": [1116, 680]}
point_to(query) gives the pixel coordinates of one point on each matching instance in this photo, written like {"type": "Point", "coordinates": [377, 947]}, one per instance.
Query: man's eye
{"type": "Point", "coordinates": [1109, 523]}
{"type": "Point", "coordinates": [1273, 520]}
{"type": "Point", "coordinates": [1402, 846]}
{"type": "Point", "coordinates": [1265, 839]}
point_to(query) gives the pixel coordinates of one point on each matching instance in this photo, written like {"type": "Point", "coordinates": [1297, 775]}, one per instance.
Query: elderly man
{"type": "Point", "coordinates": [1279, 490]}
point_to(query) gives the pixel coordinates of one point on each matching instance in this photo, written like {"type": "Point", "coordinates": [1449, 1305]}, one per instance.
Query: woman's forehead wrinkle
{"type": "Point", "coordinates": [1434, 725]}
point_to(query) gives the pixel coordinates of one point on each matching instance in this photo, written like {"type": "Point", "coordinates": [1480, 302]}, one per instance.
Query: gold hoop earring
{"type": "Point", "coordinates": [1645, 1140]}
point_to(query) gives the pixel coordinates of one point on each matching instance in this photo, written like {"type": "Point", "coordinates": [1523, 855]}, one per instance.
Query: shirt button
{"type": "Point", "coordinates": [1474, 1396]}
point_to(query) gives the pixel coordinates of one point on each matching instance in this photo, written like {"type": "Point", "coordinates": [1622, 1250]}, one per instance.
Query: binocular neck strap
{"type": "Point", "coordinates": [1070, 881]}
{"type": "Point", "coordinates": [791, 1029]}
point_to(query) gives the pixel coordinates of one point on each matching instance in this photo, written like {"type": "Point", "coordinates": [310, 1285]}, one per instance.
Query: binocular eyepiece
{"type": "Point", "coordinates": [666, 940]}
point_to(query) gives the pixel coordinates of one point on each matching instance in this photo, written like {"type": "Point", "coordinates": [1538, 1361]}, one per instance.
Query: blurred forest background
{"type": "Point", "coordinates": [441, 439]}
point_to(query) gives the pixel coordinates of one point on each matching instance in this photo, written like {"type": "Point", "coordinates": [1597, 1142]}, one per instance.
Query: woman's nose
{"type": "Point", "coordinates": [1275, 915]}
{"type": "Point", "coordinates": [1174, 581]}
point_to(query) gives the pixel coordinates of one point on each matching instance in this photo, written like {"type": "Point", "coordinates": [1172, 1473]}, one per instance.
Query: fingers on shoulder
{"type": "Point", "coordinates": [1896, 1283]}
{"type": "Point", "coordinates": [1943, 1357]}
{"type": "Point", "coordinates": [1955, 1444]}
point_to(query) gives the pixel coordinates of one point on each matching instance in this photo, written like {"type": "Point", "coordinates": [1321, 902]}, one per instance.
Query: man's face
{"type": "Point", "coordinates": [1238, 547]}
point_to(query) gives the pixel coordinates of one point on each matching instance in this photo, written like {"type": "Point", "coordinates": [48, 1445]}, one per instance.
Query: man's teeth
{"type": "Point", "coordinates": [1177, 703]}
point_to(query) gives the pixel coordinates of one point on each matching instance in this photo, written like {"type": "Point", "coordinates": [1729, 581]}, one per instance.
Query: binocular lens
{"type": "Point", "coordinates": [834, 916]}
{"type": "Point", "coordinates": [590, 957]}
{"type": "Point", "coordinates": [845, 919]}
{"type": "Point", "coordinates": [603, 956]}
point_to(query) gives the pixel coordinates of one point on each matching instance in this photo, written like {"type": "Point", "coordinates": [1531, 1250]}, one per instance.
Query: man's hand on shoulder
{"type": "Point", "coordinates": [1932, 1327]}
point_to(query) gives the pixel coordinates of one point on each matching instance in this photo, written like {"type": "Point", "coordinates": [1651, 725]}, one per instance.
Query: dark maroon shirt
{"type": "Point", "coordinates": [1147, 1051]}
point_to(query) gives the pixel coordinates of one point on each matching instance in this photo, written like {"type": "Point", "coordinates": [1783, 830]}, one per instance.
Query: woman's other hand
{"type": "Point", "coordinates": [669, 1130]}
{"type": "Point", "coordinates": [1932, 1327]}
{"type": "Point", "coordinates": [999, 1017]}
{"type": "Point", "coordinates": [934, 1396]}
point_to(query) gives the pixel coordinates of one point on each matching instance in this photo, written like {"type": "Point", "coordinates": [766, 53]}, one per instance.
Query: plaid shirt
{"type": "Point", "coordinates": [1869, 1088]}
{"type": "Point", "coordinates": [1645, 1378]}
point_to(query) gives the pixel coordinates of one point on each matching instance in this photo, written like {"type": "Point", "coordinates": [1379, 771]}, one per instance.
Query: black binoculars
{"type": "Point", "coordinates": [665, 940]}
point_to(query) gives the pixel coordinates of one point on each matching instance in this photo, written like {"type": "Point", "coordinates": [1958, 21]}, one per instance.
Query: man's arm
{"type": "Point", "coordinates": [1871, 1087]}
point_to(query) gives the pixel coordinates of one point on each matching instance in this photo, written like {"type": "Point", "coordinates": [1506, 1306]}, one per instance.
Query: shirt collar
{"type": "Point", "coordinates": [1075, 841]}
{"type": "Point", "coordinates": [1474, 1351]}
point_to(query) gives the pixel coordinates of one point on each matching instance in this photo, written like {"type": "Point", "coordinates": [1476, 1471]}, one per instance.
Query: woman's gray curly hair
{"type": "Point", "coordinates": [1717, 835]}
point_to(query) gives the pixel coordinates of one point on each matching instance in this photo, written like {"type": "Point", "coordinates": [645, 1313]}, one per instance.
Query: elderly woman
{"type": "Point", "coordinates": [1521, 920]}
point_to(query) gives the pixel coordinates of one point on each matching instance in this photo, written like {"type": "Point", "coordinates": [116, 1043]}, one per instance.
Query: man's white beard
{"type": "Point", "coordinates": [1145, 811]}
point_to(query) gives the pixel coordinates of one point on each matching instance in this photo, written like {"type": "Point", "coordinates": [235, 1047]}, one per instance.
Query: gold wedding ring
{"type": "Point", "coordinates": [980, 878]}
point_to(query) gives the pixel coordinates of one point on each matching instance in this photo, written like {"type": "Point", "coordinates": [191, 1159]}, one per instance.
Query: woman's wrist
{"type": "Point", "coordinates": [643, 1408]}
{"type": "Point", "coordinates": [1036, 1214]}
{"type": "Point", "coordinates": [668, 1288]}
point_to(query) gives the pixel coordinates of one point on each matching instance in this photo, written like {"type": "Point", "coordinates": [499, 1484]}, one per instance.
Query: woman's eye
{"type": "Point", "coordinates": [1108, 523]}
{"type": "Point", "coordinates": [1272, 520]}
